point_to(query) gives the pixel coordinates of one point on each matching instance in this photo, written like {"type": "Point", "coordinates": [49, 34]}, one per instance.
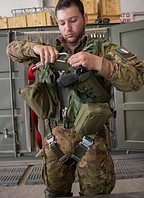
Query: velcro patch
{"type": "Point", "coordinates": [123, 50]}
{"type": "Point", "coordinates": [124, 53]}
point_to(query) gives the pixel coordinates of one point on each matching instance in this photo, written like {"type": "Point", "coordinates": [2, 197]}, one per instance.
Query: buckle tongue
{"type": "Point", "coordinates": [50, 141]}
{"type": "Point", "coordinates": [86, 142]}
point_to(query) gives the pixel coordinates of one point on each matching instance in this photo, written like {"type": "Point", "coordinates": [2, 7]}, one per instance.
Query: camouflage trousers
{"type": "Point", "coordinates": [95, 169]}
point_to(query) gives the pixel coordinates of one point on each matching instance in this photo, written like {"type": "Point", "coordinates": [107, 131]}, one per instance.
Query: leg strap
{"type": "Point", "coordinates": [83, 146]}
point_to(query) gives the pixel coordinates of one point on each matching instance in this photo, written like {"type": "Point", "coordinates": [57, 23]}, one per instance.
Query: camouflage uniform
{"type": "Point", "coordinates": [95, 169]}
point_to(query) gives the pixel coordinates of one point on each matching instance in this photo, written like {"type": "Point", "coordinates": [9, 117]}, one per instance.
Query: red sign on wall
{"type": "Point", "coordinates": [126, 17]}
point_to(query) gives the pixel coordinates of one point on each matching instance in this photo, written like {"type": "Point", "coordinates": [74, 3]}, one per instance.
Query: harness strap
{"type": "Point", "coordinates": [83, 146]}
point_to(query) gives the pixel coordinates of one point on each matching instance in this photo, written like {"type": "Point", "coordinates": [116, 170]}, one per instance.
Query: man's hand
{"type": "Point", "coordinates": [87, 60]}
{"type": "Point", "coordinates": [47, 53]}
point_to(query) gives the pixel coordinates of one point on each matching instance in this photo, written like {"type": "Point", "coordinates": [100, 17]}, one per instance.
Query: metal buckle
{"type": "Point", "coordinates": [65, 58]}
{"type": "Point", "coordinates": [59, 60]}
{"type": "Point", "coordinates": [37, 66]}
{"type": "Point", "coordinates": [50, 141]}
{"type": "Point", "coordinates": [86, 142]}
{"type": "Point", "coordinates": [63, 159]}
{"type": "Point", "coordinates": [69, 161]}
{"type": "Point", "coordinates": [75, 158]}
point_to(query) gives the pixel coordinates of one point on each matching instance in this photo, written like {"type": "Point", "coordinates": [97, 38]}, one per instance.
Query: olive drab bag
{"type": "Point", "coordinates": [42, 99]}
{"type": "Point", "coordinates": [90, 89]}
{"type": "Point", "coordinates": [91, 118]}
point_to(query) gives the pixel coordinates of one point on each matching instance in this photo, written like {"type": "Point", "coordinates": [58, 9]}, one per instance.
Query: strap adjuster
{"type": "Point", "coordinates": [63, 159]}
{"type": "Point", "coordinates": [87, 142]}
{"type": "Point", "coordinates": [69, 161]}
{"type": "Point", "coordinates": [50, 141]}
{"type": "Point", "coordinates": [75, 158]}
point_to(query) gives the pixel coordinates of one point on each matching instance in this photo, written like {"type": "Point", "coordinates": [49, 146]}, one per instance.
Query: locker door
{"type": "Point", "coordinates": [14, 122]}
{"type": "Point", "coordinates": [129, 122]}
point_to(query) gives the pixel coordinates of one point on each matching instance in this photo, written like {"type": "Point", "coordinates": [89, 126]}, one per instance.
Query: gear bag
{"type": "Point", "coordinates": [90, 89]}
{"type": "Point", "coordinates": [91, 118]}
{"type": "Point", "coordinates": [42, 99]}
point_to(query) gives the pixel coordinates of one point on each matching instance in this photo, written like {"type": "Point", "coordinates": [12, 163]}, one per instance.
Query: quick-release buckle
{"type": "Point", "coordinates": [86, 142]}
{"type": "Point", "coordinates": [67, 160]}
{"type": "Point", "coordinates": [50, 141]}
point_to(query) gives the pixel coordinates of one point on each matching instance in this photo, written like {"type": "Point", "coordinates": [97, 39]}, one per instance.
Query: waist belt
{"type": "Point", "coordinates": [83, 146]}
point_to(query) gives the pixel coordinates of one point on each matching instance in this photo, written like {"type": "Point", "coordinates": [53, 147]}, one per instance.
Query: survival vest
{"type": "Point", "coordinates": [79, 91]}
{"type": "Point", "coordinates": [74, 96]}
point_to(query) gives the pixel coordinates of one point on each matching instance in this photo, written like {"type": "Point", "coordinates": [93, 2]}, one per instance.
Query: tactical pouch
{"type": "Point", "coordinates": [91, 118]}
{"type": "Point", "coordinates": [90, 89]}
{"type": "Point", "coordinates": [41, 98]}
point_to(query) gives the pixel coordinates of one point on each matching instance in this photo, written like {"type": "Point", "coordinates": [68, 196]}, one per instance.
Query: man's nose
{"type": "Point", "coordinates": [68, 27]}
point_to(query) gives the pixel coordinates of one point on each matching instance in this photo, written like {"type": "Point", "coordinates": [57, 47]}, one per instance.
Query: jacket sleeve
{"type": "Point", "coordinates": [128, 69]}
{"type": "Point", "coordinates": [22, 51]}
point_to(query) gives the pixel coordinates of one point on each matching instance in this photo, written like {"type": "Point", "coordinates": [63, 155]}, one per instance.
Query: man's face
{"type": "Point", "coordinates": [71, 24]}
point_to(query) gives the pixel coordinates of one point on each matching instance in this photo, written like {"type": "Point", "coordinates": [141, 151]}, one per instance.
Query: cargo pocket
{"type": "Point", "coordinates": [56, 176]}
{"type": "Point", "coordinates": [107, 175]}
{"type": "Point", "coordinates": [99, 166]}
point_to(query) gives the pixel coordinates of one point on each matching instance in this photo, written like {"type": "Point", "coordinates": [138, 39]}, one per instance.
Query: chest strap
{"type": "Point", "coordinates": [83, 146]}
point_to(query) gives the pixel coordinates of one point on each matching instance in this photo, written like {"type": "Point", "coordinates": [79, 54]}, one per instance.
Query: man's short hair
{"type": "Point", "coordinates": [62, 4]}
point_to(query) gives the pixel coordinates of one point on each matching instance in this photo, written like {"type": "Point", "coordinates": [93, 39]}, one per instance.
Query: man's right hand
{"type": "Point", "coordinates": [48, 54]}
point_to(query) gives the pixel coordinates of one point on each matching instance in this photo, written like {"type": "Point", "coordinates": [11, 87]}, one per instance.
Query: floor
{"type": "Point", "coordinates": [36, 191]}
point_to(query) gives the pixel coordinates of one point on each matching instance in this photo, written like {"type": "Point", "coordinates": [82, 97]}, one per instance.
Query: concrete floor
{"type": "Point", "coordinates": [36, 191]}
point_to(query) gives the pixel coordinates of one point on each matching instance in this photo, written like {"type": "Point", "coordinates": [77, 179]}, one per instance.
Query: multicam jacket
{"type": "Point", "coordinates": [128, 72]}
{"type": "Point", "coordinates": [128, 75]}
{"type": "Point", "coordinates": [128, 69]}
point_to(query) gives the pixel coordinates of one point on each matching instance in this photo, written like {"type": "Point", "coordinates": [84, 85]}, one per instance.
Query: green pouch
{"type": "Point", "coordinates": [90, 88]}
{"type": "Point", "coordinates": [91, 118]}
{"type": "Point", "coordinates": [42, 99]}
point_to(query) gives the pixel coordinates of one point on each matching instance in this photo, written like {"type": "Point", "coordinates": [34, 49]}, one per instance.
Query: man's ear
{"type": "Point", "coordinates": [85, 18]}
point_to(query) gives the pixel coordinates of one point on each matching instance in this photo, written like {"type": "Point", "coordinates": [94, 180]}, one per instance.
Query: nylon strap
{"type": "Point", "coordinates": [84, 145]}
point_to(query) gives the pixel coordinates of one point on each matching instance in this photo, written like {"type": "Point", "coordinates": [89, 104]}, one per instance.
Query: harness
{"type": "Point", "coordinates": [82, 148]}
{"type": "Point", "coordinates": [76, 82]}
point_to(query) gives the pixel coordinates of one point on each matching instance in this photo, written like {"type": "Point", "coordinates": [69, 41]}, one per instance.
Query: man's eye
{"type": "Point", "coordinates": [73, 20]}
{"type": "Point", "coordinates": [61, 23]}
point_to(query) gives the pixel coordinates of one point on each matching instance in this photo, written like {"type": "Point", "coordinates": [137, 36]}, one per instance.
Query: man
{"type": "Point", "coordinates": [92, 68]}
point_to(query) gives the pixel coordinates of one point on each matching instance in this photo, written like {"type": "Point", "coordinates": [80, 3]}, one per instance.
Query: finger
{"type": "Point", "coordinates": [46, 56]}
{"type": "Point", "coordinates": [57, 53]}
{"type": "Point", "coordinates": [52, 54]}
{"type": "Point", "coordinates": [73, 57]}
{"type": "Point", "coordinates": [42, 57]}
{"type": "Point", "coordinates": [73, 61]}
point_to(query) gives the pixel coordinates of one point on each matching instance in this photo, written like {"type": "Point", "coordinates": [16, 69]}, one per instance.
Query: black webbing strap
{"type": "Point", "coordinates": [84, 145]}
{"type": "Point", "coordinates": [64, 159]}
